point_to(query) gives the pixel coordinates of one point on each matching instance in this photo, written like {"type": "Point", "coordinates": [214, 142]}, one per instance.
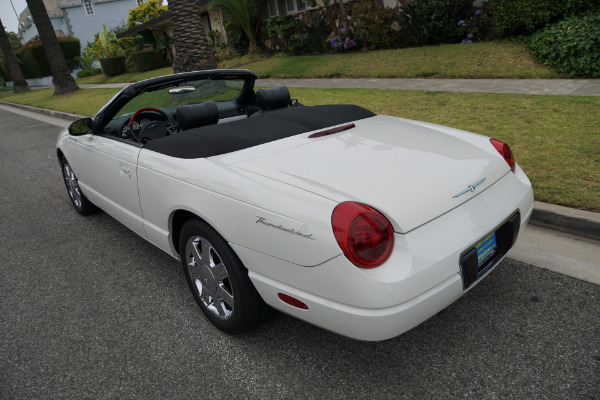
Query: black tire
{"type": "Point", "coordinates": [220, 284]}
{"type": "Point", "coordinates": [81, 203]}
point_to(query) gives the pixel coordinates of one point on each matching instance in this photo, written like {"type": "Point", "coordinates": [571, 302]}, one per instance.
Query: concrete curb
{"type": "Point", "coordinates": [565, 219]}
{"type": "Point", "coordinates": [44, 111]}
{"type": "Point", "coordinates": [550, 216]}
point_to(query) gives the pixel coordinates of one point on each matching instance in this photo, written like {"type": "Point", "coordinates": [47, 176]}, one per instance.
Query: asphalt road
{"type": "Point", "coordinates": [90, 310]}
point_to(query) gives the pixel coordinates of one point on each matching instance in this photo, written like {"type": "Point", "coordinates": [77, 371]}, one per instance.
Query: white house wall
{"type": "Point", "coordinates": [31, 31]}
{"type": "Point", "coordinates": [109, 13]}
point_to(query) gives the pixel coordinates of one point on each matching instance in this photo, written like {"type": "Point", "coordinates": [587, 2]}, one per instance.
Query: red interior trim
{"type": "Point", "coordinates": [332, 131]}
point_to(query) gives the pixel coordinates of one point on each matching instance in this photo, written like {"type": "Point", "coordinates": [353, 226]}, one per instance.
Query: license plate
{"type": "Point", "coordinates": [486, 249]}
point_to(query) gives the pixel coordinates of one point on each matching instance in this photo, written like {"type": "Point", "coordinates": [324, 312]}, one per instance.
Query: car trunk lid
{"type": "Point", "coordinates": [410, 172]}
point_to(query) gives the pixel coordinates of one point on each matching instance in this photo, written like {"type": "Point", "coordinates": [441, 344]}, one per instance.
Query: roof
{"type": "Point", "coordinates": [52, 7]}
{"type": "Point", "coordinates": [162, 21]}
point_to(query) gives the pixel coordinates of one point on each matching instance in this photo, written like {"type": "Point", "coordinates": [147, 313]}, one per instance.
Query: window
{"type": "Point", "coordinates": [272, 9]}
{"type": "Point", "coordinates": [89, 8]}
{"type": "Point", "coordinates": [281, 6]}
{"type": "Point", "coordinates": [277, 8]}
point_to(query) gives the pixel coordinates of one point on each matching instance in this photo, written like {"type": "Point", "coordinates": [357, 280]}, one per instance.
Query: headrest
{"type": "Point", "coordinates": [270, 99]}
{"type": "Point", "coordinates": [197, 115]}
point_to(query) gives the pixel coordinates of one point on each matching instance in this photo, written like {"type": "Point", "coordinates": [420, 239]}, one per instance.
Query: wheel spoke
{"type": "Point", "coordinates": [223, 294]}
{"type": "Point", "coordinates": [219, 272]}
{"type": "Point", "coordinates": [195, 251]}
{"type": "Point", "coordinates": [205, 296]}
{"type": "Point", "coordinates": [223, 312]}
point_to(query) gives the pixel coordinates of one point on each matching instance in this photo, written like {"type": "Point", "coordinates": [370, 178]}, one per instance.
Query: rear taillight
{"type": "Point", "coordinates": [505, 152]}
{"type": "Point", "coordinates": [365, 236]}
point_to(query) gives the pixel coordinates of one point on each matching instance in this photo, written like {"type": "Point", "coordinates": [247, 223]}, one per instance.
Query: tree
{"type": "Point", "coordinates": [145, 12]}
{"type": "Point", "coordinates": [192, 52]}
{"type": "Point", "coordinates": [61, 79]}
{"type": "Point", "coordinates": [19, 82]}
{"type": "Point", "coordinates": [242, 13]}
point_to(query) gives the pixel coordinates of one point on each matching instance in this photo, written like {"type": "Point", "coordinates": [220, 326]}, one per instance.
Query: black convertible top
{"type": "Point", "coordinates": [213, 140]}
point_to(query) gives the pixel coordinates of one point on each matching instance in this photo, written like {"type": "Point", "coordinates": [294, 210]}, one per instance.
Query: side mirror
{"type": "Point", "coordinates": [81, 127]}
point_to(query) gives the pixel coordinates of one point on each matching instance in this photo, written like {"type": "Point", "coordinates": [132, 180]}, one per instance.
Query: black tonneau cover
{"type": "Point", "coordinates": [214, 140]}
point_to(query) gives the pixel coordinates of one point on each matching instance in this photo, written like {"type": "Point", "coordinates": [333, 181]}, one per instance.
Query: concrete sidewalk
{"type": "Point", "coordinates": [563, 87]}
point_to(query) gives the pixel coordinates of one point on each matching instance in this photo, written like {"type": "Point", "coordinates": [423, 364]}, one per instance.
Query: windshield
{"type": "Point", "coordinates": [189, 92]}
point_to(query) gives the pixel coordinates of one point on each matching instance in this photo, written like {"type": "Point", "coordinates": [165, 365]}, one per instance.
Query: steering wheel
{"type": "Point", "coordinates": [171, 125]}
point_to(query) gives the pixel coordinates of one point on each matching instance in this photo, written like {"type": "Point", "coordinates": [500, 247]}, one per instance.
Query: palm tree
{"type": "Point", "coordinates": [242, 13]}
{"type": "Point", "coordinates": [19, 82]}
{"type": "Point", "coordinates": [192, 52]}
{"type": "Point", "coordinates": [61, 79]}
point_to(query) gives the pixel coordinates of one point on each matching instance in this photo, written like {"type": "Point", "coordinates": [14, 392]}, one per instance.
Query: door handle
{"type": "Point", "coordinates": [125, 170]}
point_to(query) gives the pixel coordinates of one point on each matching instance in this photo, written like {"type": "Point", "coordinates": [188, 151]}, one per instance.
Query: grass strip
{"type": "Point", "coordinates": [500, 59]}
{"type": "Point", "coordinates": [125, 78]}
{"type": "Point", "coordinates": [555, 139]}
{"type": "Point", "coordinates": [83, 102]}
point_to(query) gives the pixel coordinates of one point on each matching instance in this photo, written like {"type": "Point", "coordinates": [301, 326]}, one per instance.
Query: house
{"type": "Point", "coordinates": [79, 18]}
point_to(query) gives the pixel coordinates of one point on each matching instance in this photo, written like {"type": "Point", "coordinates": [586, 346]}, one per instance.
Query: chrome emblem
{"type": "Point", "coordinates": [470, 188]}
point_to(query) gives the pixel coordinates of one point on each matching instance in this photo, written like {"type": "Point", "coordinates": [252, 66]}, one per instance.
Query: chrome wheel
{"type": "Point", "coordinates": [72, 186]}
{"type": "Point", "coordinates": [209, 277]}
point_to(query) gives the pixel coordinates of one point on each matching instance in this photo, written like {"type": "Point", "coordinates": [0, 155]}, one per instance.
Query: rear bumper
{"type": "Point", "coordinates": [422, 277]}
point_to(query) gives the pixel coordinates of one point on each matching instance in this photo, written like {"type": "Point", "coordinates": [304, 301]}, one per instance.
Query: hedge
{"type": "Point", "coordinates": [113, 66]}
{"type": "Point", "coordinates": [147, 60]}
{"type": "Point", "coordinates": [514, 17]}
{"type": "Point", "coordinates": [34, 62]}
{"type": "Point", "coordinates": [572, 46]}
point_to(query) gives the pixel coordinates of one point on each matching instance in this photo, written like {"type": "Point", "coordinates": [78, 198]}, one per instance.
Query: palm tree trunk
{"type": "Point", "coordinates": [62, 80]}
{"type": "Point", "coordinates": [19, 82]}
{"type": "Point", "coordinates": [192, 52]}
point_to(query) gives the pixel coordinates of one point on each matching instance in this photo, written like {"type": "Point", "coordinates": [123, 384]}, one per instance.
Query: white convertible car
{"type": "Point", "coordinates": [363, 224]}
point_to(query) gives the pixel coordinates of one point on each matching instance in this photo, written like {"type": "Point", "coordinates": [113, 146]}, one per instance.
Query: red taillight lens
{"type": "Point", "coordinates": [505, 152]}
{"type": "Point", "coordinates": [365, 236]}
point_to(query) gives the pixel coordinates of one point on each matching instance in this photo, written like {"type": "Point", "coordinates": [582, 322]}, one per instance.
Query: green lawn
{"type": "Point", "coordinates": [128, 77]}
{"type": "Point", "coordinates": [555, 139]}
{"type": "Point", "coordinates": [83, 102]}
{"type": "Point", "coordinates": [478, 60]}
{"type": "Point", "coordinates": [499, 59]}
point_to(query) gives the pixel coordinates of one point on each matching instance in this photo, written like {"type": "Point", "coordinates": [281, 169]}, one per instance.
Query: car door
{"type": "Point", "coordinates": [107, 172]}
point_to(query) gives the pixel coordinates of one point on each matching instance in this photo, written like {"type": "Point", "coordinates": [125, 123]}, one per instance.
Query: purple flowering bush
{"type": "Point", "coordinates": [344, 41]}
{"type": "Point", "coordinates": [472, 27]}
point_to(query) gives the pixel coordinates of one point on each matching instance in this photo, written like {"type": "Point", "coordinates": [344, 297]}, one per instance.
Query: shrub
{"type": "Point", "coordinates": [282, 28]}
{"type": "Point", "coordinates": [514, 17]}
{"type": "Point", "coordinates": [346, 40]}
{"type": "Point", "coordinates": [88, 72]}
{"type": "Point", "coordinates": [34, 61]}
{"type": "Point", "coordinates": [435, 21]}
{"type": "Point", "coordinates": [237, 41]}
{"type": "Point", "coordinates": [572, 46]}
{"type": "Point", "coordinates": [310, 38]}
{"type": "Point", "coordinates": [113, 66]}
{"type": "Point", "coordinates": [475, 27]}
{"type": "Point", "coordinates": [374, 24]}
{"type": "Point", "coordinates": [147, 60]}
